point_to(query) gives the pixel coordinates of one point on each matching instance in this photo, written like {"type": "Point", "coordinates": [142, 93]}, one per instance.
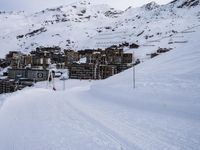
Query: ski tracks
{"type": "Point", "coordinates": [90, 125]}
{"type": "Point", "coordinates": [136, 129]}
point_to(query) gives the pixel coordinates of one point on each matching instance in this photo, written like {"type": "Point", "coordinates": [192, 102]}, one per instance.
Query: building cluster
{"type": "Point", "coordinates": [99, 64]}
{"type": "Point", "coordinates": [25, 69]}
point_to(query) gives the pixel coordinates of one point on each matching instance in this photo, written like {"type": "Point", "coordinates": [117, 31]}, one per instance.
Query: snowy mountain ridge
{"type": "Point", "coordinates": [83, 25]}
{"type": "Point", "coordinates": [185, 3]}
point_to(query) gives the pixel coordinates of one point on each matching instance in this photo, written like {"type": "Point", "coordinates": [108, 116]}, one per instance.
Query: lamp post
{"type": "Point", "coordinates": [133, 62]}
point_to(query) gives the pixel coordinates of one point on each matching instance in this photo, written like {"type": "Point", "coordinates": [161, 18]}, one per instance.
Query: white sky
{"type": "Point", "coordinates": [36, 5]}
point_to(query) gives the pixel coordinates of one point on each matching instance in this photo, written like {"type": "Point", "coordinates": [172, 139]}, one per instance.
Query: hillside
{"type": "Point", "coordinates": [83, 25]}
{"type": "Point", "coordinates": [161, 113]}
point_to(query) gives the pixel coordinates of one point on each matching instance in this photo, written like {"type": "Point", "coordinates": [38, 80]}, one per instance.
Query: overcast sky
{"type": "Point", "coordinates": [36, 5]}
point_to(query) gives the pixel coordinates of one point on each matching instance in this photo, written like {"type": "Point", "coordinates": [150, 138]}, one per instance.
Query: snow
{"type": "Point", "coordinates": [89, 29]}
{"type": "Point", "coordinates": [82, 60]}
{"type": "Point", "coordinates": [162, 112]}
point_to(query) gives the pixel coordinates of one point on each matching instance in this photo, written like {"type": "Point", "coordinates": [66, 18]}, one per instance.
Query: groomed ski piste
{"type": "Point", "coordinates": [161, 113]}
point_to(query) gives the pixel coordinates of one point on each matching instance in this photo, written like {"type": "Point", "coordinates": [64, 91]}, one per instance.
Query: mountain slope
{"type": "Point", "coordinates": [84, 25]}
{"type": "Point", "coordinates": [161, 113]}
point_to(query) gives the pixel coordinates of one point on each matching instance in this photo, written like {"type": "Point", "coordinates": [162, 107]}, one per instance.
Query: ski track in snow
{"type": "Point", "coordinates": [83, 116]}
{"type": "Point", "coordinates": [65, 129]}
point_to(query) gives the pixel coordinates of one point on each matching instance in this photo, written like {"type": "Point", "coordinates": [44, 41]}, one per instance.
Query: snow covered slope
{"type": "Point", "coordinates": [84, 25]}
{"type": "Point", "coordinates": [163, 112]}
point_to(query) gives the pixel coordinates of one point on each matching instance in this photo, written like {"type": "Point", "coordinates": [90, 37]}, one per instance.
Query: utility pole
{"type": "Point", "coordinates": [133, 62]}
{"type": "Point", "coordinates": [64, 78]}
{"type": "Point", "coordinates": [64, 86]}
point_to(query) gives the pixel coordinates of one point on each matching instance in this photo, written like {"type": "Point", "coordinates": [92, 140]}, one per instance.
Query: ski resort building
{"type": "Point", "coordinates": [34, 74]}
{"type": "Point", "coordinates": [82, 71]}
{"type": "Point", "coordinates": [3, 63]}
{"type": "Point", "coordinates": [16, 59]}
{"type": "Point", "coordinates": [7, 86]}
{"type": "Point", "coordinates": [44, 56]}
{"type": "Point", "coordinates": [71, 57]}
{"type": "Point", "coordinates": [91, 71]}
{"type": "Point", "coordinates": [100, 64]}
